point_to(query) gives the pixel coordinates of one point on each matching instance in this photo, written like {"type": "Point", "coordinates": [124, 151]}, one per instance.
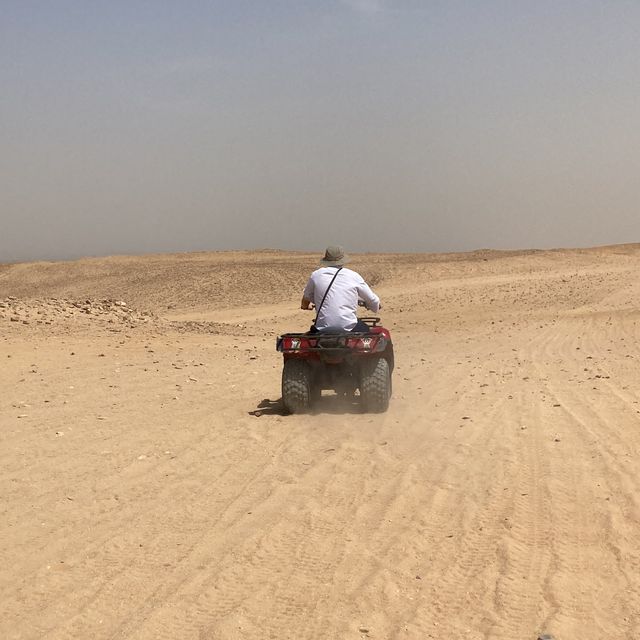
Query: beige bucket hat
{"type": "Point", "coordinates": [334, 257]}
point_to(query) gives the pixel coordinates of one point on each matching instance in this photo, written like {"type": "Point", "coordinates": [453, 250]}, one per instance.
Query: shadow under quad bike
{"type": "Point", "coordinates": [344, 361]}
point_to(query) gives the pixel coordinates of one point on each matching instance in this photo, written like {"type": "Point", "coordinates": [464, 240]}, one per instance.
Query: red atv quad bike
{"type": "Point", "coordinates": [344, 361]}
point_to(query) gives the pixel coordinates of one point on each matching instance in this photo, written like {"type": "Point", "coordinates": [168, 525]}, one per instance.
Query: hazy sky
{"type": "Point", "coordinates": [390, 125]}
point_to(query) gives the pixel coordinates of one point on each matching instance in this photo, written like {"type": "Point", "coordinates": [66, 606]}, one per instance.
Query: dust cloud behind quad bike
{"type": "Point", "coordinates": [151, 487]}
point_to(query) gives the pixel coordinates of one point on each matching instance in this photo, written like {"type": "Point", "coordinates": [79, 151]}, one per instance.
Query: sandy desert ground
{"type": "Point", "coordinates": [148, 491]}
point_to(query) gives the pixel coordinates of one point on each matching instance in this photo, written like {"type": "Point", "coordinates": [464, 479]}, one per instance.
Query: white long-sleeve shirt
{"type": "Point", "coordinates": [340, 306]}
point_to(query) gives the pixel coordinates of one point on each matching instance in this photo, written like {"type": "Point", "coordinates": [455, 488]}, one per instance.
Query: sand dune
{"type": "Point", "coordinates": [144, 497]}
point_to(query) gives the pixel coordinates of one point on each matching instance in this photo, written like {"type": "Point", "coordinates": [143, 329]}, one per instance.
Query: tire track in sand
{"type": "Point", "coordinates": [590, 537]}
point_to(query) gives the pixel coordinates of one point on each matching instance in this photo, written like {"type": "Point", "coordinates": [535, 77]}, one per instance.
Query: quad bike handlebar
{"type": "Point", "coordinates": [362, 303]}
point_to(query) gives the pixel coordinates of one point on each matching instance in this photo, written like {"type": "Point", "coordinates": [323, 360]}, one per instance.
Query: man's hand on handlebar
{"type": "Point", "coordinates": [307, 305]}
{"type": "Point", "coordinates": [362, 303]}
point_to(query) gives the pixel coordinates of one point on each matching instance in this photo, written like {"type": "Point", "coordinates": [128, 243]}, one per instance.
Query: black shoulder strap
{"type": "Point", "coordinates": [325, 294]}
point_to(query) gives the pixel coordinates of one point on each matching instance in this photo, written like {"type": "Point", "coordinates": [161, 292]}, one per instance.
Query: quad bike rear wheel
{"type": "Point", "coordinates": [375, 385]}
{"type": "Point", "coordinates": [296, 386]}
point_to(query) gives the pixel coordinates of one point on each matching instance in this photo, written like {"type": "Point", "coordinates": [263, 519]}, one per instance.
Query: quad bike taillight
{"type": "Point", "coordinates": [288, 343]}
{"type": "Point", "coordinates": [366, 343]}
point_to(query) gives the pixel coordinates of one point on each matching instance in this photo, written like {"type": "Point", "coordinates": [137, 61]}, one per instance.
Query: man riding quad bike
{"type": "Point", "coordinates": [341, 351]}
